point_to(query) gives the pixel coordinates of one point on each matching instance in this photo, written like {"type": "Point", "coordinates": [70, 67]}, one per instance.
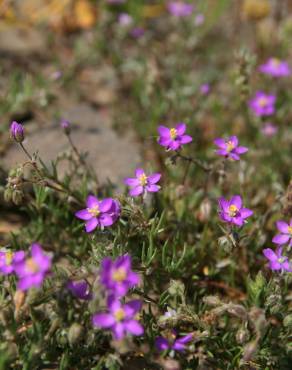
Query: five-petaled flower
{"type": "Point", "coordinates": [79, 289]}
{"type": "Point", "coordinates": [285, 235]}
{"type": "Point", "coordinates": [163, 344]}
{"type": "Point", "coordinates": [117, 276]}
{"type": "Point", "coordinates": [263, 104]}
{"type": "Point", "coordinates": [121, 319]}
{"type": "Point", "coordinates": [32, 270]}
{"type": "Point", "coordinates": [8, 259]}
{"type": "Point", "coordinates": [99, 213]}
{"type": "Point", "coordinates": [232, 211]}
{"type": "Point", "coordinates": [179, 8]}
{"type": "Point", "coordinates": [276, 260]}
{"type": "Point", "coordinates": [173, 138]}
{"type": "Point", "coordinates": [276, 68]}
{"type": "Point", "coordinates": [229, 148]}
{"type": "Point", "coordinates": [142, 183]}
{"type": "Point", "coordinates": [17, 132]}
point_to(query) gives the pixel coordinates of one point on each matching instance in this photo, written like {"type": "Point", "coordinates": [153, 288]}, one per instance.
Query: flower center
{"type": "Point", "coordinates": [233, 210]}
{"type": "Point", "coordinates": [263, 102]}
{"type": "Point", "coordinates": [230, 146]}
{"type": "Point", "coordinates": [290, 230]}
{"type": "Point", "coordinates": [119, 314]}
{"type": "Point", "coordinates": [282, 259]}
{"type": "Point", "coordinates": [94, 211]}
{"type": "Point", "coordinates": [275, 62]}
{"type": "Point", "coordinates": [143, 179]}
{"type": "Point", "coordinates": [119, 275]}
{"type": "Point", "coordinates": [173, 133]}
{"type": "Point", "coordinates": [8, 258]}
{"type": "Point", "coordinates": [31, 265]}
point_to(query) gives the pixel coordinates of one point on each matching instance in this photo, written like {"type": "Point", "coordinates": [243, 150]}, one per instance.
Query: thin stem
{"type": "Point", "coordinates": [26, 152]}
{"type": "Point", "coordinates": [81, 160]}
{"type": "Point", "coordinates": [195, 161]}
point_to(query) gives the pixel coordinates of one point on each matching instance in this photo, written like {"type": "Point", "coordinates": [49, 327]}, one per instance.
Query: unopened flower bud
{"type": "Point", "coordinates": [66, 126]}
{"type": "Point", "coordinates": [212, 300]}
{"type": "Point", "coordinates": [242, 336]}
{"type": "Point", "coordinates": [17, 132]}
{"type": "Point", "coordinates": [75, 333]}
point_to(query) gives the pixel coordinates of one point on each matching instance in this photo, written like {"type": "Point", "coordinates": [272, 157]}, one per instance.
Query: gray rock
{"type": "Point", "coordinates": [112, 156]}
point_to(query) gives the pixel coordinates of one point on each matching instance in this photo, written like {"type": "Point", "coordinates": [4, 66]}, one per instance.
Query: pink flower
{"type": "Point", "coordinates": [8, 259]}
{"type": "Point", "coordinates": [142, 184]}
{"type": "Point", "coordinates": [117, 276]}
{"type": "Point", "coordinates": [173, 138]}
{"type": "Point", "coordinates": [232, 211]}
{"type": "Point", "coordinates": [31, 271]}
{"type": "Point", "coordinates": [269, 129]}
{"type": "Point", "coordinates": [276, 68]}
{"type": "Point", "coordinates": [229, 148]}
{"type": "Point", "coordinates": [163, 344]}
{"type": "Point", "coordinates": [285, 235]}
{"type": "Point", "coordinates": [99, 213]}
{"type": "Point", "coordinates": [276, 260]}
{"type": "Point", "coordinates": [205, 89]}
{"type": "Point", "coordinates": [179, 8]}
{"type": "Point", "coordinates": [263, 104]}
{"type": "Point", "coordinates": [120, 319]}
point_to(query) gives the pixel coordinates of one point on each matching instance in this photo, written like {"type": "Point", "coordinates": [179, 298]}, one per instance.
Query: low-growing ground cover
{"type": "Point", "coordinates": [186, 263]}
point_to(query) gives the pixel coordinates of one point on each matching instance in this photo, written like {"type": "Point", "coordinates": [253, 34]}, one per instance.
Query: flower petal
{"type": "Point", "coordinates": [220, 143]}
{"type": "Point", "coordinates": [237, 201]}
{"type": "Point", "coordinates": [270, 254]}
{"type": "Point", "coordinates": [152, 188]}
{"type": "Point", "coordinates": [83, 214]}
{"type": "Point", "coordinates": [105, 204]}
{"type": "Point", "coordinates": [103, 320]}
{"type": "Point", "coordinates": [154, 178]}
{"type": "Point", "coordinates": [132, 181]}
{"type": "Point", "coordinates": [161, 344]}
{"type": "Point", "coordinates": [185, 139]}
{"type": "Point", "coordinates": [135, 192]}
{"type": "Point", "coordinates": [283, 227]}
{"type": "Point", "coordinates": [164, 131]}
{"type": "Point", "coordinates": [92, 201]}
{"type": "Point", "coordinates": [91, 224]}
{"type": "Point", "coordinates": [180, 128]}
{"type": "Point", "coordinates": [134, 327]}
{"type": "Point", "coordinates": [245, 212]}
{"type": "Point", "coordinates": [280, 239]}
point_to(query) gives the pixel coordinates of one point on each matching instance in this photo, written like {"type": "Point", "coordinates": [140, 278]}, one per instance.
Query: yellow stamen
{"type": "Point", "coordinates": [263, 102]}
{"type": "Point", "coordinates": [290, 230]}
{"type": "Point", "coordinates": [119, 314]}
{"type": "Point", "coordinates": [8, 258]}
{"type": "Point", "coordinates": [143, 179]}
{"type": "Point", "coordinates": [276, 62]}
{"type": "Point", "coordinates": [230, 146]}
{"type": "Point", "coordinates": [31, 265]}
{"type": "Point", "coordinates": [119, 275]}
{"type": "Point", "coordinates": [232, 210]}
{"type": "Point", "coordinates": [173, 133]}
{"type": "Point", "coordinates": [94, 211]}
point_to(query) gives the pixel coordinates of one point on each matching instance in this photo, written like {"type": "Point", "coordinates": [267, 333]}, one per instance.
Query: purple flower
{"type": "Point", "coordinates": [120, 318]}
{"type": "Point", "coordinates": [141, 184]}
{"type": "Point", "coordinates": [285, 235]}
{"type": "Point", "coordinates": [179, 8]}
{"type": "Point", "coordinates": [8, 259]}
{"type": "Point", "coordinates": [232, 211]}
{"type": "Point", "coordinates": [269, 129]}
{"type": "Point", "coordinates": [125, 19]}
{"type": "Point", "coordinates": [229, 148]}
{"type": "Point", "coordinates": [31, 271]}
{"type": "Point", "coordinates": [199, 19]}
{"type": "Point", "coordinates": [79, 289]}
{"type": "Point", "coordinates": [205, 89]}
{"type": "Point", "coordinates": [116, 1]}
{"type": "Point", "coordinates": [276, 260]}
{"type": "Point", "coordinates": [17, 132]}
{"type": "Point", "coordinates": [99, 213]}
{"type": "Point", "coordinates": [117, 276]}
{"type": "Point", "coordinates": [137, 32]}
{"type": "Point", "coordinates": [173, 138]}
{"type": "Point", "coordinates": [276, 68]}
{"type": "Point", "coordinates": [66, 126]}
{"type": "Point", "coordinates": [263, 104]}
{"type": "Point", "coordinates": [163, 344]}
